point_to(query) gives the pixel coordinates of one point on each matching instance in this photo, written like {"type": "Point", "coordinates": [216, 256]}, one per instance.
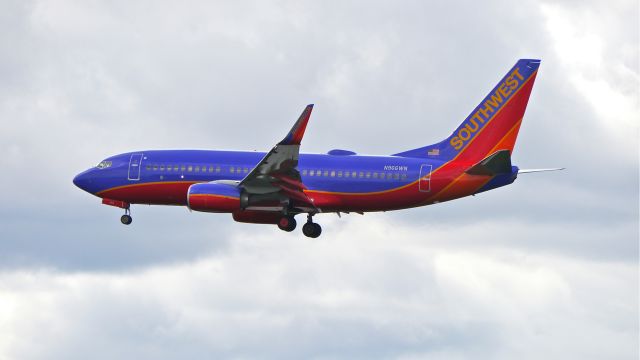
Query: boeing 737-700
{"type": "Point", "coordinates": [274, 187]}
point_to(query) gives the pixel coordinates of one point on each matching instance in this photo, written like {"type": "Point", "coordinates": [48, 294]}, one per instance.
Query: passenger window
{"type": "Point", "coordinates": [175, 167]}
{"type": "Point", "coordinates": [339, 173]}
{"type": "Point", "coordinates": [190, 168]}
{"type": "Point", "coordinates": [183, 168]}
{"type": "Point", "coordinates": [311, 172]}
{"type": "Point", "coordinates": [333, 174]}
{"type": "Point", "coordinates": [389, 175]}
{"type": "Point", "coordinates": [148, 167]}
{"type": "Point", "coordinates": [246, 170]}
{"type": "Point", "coordinates": [347, 174]}
{"type": "Point", "coordinates": [217, 169]}
{"type": "Point", "coordinates": [168, 167]}
{"type": "Point", "coordinates": [361, 174]}
{"type": "Point", "coordinates": [210, 169]}
{"type": "Point", "coordinates": [354, 174]}
{"type": "Point", "coordinates": [404, 176]}
{"type": "Point", "coordinates": [155, 167]}
{"type": "Point", "coordinates": [304, 172]}
{"type": "Point", "coordinates": [396, 176]}
{"type": "Point", "coordinates": [375, 175]}
{"type": "Point", "coordinates": [326, 173]}
{"type": "Point", "coordinates": [368, 174]}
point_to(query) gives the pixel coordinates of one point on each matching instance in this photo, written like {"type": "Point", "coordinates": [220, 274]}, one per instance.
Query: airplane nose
{"type": "Point", "coordinates": [82, 180]}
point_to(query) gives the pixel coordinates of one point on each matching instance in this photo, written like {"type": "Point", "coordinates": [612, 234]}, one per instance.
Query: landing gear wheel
{"type": "Point", "coordinates": [311, 230]}
{"type": "Point", "coordinates": [287, 223]}
{"type": "Point", "coordinates": [126, 219]}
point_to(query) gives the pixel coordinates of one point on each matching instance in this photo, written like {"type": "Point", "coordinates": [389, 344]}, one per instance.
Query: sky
{"type": "Point", "coordinates": [544, 268]}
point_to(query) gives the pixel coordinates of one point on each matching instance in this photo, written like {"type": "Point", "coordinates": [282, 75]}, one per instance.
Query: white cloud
{"type": "Point", "coordinates": [600, 64]}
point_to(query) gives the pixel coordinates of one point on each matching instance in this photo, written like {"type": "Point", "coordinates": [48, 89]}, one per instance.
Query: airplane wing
{"type": "Point", "coordinates": [277, 172]}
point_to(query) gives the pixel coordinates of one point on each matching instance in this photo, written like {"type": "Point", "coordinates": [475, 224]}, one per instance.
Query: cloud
{"type": "Point", "coordinates": [606, 75]}
{"type": "Point", "coordinates": [359, 293]}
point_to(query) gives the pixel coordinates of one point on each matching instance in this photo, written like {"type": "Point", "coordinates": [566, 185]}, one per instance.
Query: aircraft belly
{"type": "Point", "coordinates": [167, 193]}
{"type": "Point", "coordinates": [403, 197]}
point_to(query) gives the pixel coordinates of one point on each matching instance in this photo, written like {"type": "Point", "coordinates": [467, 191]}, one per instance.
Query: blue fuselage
{"type": "Point", "coordinates": [338, 182]}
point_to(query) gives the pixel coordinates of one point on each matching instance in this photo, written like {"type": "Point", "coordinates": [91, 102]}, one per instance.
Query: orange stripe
{"type": "Point", "coordinates": [508, 141]}
{"type": "Point", "coordinates": [383, 191]}
{"type": "Point", "coordinates": [215, 195]}
{"type": "Point", "coordinates": [458, 179]}
{"type": "Point", "coordinates": [493, 116]}
{"type": "Point", "coordinates": [488, 121]}
{"type": "Point", "coordinates": [360, 194]}
{"type": "Point", "coordinates": [144, 184]}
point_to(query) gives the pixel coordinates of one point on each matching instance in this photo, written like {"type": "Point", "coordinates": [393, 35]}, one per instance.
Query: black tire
{"type": "Point", "coordinates": [308, 229]}
{"type": "Point", "coordinates": [126, 219]}
{"type": "Point", "coordinates": [287, 223]}
{"type": "Point", "coordinates": [317, 230]}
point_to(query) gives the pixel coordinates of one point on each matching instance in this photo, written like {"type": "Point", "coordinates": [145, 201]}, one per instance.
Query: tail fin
{"type": "Point", "coordinates": [493, 125]}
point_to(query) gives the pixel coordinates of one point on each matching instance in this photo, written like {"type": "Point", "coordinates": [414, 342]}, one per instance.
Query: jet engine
{"type": "Point", "coordinates": [213, 197]}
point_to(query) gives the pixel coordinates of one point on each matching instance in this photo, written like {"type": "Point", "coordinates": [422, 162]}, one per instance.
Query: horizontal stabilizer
{"type": "Point", "coordinates": [497, 163]}
{"type": "Point", "coordinates": [526, 171]}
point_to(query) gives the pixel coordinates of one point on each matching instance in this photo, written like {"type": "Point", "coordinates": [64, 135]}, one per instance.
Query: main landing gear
{"type": "Point", "coordinates": [126, 219]}
{"type": "Point", "coordinates": [287, 223]}
{"type": "Point", "coordinates": [310, 229]}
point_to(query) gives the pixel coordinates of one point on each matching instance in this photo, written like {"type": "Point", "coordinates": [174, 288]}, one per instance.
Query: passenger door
{"type": "Point", "coordinates": [134, 166]}
{"type": "Point", "coordinates": [424, 184]}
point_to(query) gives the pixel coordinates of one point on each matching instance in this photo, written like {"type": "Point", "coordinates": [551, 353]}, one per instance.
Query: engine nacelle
{"type": "Point", "coordinates": [213, 197]}
{"type": "Point", "coordinates": [269, 199]}
{"type": "Point", "coordinates": [256, 217]}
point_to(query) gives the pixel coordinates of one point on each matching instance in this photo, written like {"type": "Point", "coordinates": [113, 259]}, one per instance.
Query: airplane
{"type": "Point", "coordinates": [273, 187]}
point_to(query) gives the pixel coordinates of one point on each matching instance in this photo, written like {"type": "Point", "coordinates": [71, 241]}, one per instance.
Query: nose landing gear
{"type": "Point", "coordinates": [311, 229]}
{"type": "Point", "coordinates": [126, 219]}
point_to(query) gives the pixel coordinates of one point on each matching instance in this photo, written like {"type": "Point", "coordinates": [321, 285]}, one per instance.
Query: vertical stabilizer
{"type": "Point", "coordinates": [493, 125]}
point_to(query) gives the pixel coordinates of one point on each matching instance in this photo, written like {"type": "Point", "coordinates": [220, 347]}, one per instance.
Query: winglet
{"type": "Point", "coordinates": [294, 137]}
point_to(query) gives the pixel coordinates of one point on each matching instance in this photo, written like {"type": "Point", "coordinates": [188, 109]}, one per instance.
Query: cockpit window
{"type": "Point", "coordinates": [104, 164]}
